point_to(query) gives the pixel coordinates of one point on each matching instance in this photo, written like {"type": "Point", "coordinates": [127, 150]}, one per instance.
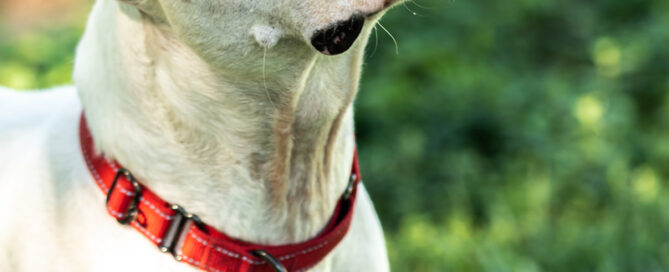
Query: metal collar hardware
{"type": "Point", "coordinates": [278, 267]}
{"type": "Point", "coordinates": [131, 212]}
{"type": "Point", "coordinates": [179, 222]}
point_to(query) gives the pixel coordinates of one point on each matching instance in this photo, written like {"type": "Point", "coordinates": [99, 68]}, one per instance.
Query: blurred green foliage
{"type": "Point", "coordinates": [523, 135]}
{"type": "Point", "coordinates": [31, 60]}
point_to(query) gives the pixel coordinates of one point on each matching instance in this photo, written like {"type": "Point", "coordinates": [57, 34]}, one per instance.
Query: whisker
{"type": "Point", "coordinates": [421, 6]}
{"type": "Point", "coordinates": [404, 4]}
{"type": "Point", "coordinates": [376, 41]}
{"type": "Point", "coordinates": [397, 48]}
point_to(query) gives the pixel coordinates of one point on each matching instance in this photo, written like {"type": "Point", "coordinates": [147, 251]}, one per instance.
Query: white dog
{"type": "Point", "coordinates": [231, 108]}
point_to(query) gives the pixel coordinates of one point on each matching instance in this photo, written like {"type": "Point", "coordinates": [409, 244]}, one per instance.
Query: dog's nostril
{"type": "Point", "coordinates": [339, 37]}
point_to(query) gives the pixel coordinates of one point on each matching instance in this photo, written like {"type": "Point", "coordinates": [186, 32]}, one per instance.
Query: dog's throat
{"type": "Point", "coordinates": [189, 239]}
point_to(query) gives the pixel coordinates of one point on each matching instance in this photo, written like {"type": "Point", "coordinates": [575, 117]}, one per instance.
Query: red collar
{"type": "Point", "coordinates": [188, 239]}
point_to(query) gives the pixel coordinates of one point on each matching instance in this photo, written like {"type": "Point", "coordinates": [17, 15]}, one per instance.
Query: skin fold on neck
{"type": "Point", "coordinates": [262, 153]}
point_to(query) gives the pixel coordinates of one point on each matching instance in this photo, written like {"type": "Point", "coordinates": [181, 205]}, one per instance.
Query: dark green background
{"type": "Point", "coordinates": [525, 135]}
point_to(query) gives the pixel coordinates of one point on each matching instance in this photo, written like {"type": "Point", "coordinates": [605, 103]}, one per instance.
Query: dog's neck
{"type": "Point", "coordinates": [265, 165]}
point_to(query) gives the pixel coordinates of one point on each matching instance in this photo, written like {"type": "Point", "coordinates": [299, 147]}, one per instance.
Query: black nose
{"type": "Point", "coordinates": [339, 37]}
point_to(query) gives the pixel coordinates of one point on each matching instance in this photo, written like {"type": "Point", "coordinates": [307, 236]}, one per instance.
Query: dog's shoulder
{"type": "Point", "coordinates": [32, 124]}
{"type": "Point", "coordinates": [30, 108]}
{"type": "Point", "coordinates": [29, 119]}
{"type": "Point", "coordinates": [37, 129]}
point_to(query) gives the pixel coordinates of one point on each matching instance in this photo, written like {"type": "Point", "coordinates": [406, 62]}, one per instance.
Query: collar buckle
{"type": "Point", "coordinates": [351, 185]}
{"type": "Point", "coordinates": [271, 260]}
{"type": "Point", "coordinates": [175, 230]}
{"type": "Point", "coordinates": [132, 211]}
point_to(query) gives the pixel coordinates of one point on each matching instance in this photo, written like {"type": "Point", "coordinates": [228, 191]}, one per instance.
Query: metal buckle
{"type": "Point", "coordinates": [263, 254]}
{"type": "Point", "coordinates": [173, 234]}
{"type": "Point", "coordinates": [131, 213]}
{"type": "Point", "coordinates": [349, 188]}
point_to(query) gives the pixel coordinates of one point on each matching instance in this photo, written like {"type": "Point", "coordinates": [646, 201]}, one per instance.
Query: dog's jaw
{"type": "Point", "coordinates": [264, 165]}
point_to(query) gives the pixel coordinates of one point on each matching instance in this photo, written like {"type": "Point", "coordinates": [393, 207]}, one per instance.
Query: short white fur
{"type": "Point", "coordinates": [220, 106]}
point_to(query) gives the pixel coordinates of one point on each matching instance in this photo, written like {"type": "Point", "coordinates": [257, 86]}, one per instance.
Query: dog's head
{"type": "Point", "coordinates": [236, 26]}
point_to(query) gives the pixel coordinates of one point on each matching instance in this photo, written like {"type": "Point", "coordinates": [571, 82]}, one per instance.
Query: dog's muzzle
{"type": "Point", "coordinates": [339, 37]}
